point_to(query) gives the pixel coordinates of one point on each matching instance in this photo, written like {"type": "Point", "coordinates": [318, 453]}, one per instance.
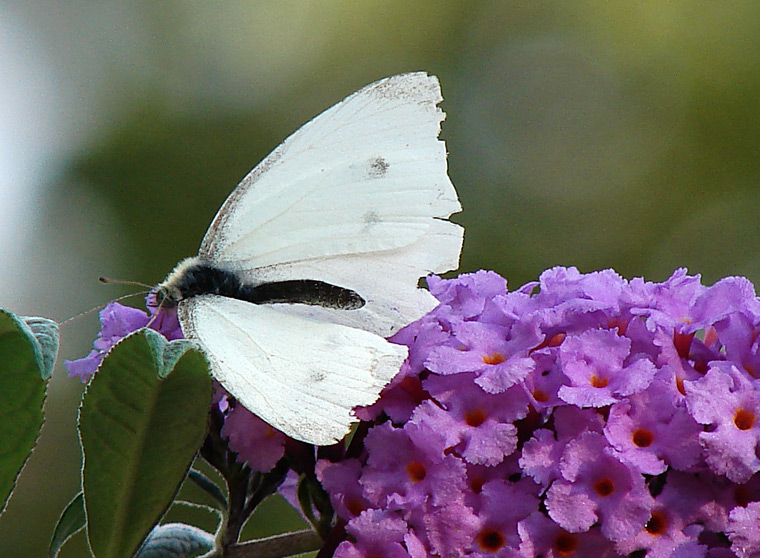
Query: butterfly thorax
{"type": "Point", "coordinates": [180, 284]}
{"type": "Point", "coordinates": [194, 277]}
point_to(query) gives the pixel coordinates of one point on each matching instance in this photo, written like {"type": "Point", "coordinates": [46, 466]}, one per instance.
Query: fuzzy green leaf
{"type": "Point", "coordinates": [25, 364]}
{"type": "Point", "coordinates": [176, 540]}
{"type": "Point", "coordinates": [45, 332]}
{"type": "Point", "coordinates": [141, 422]}
{"type": "Point", "coordinates": [72, 521]}
{"type": "Point", "coordinates": [210, 488]}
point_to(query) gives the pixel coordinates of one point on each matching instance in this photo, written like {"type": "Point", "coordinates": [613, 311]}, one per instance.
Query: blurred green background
{"type": "Point", "coordinates": [595, 134]}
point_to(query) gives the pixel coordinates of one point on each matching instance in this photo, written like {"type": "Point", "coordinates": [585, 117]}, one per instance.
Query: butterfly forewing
{"type": "Point", "coordinates": [361, 188]}
{"type": "Point", "coordinates": [366, 175]}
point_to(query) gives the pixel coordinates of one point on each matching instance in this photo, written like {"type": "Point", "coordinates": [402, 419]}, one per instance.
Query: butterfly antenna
{"type": "Point", "coordinates": [155, 315]}
{"type": "Point", "coordinates": [101, 306]}
{"type": "Point", "coordinates": [107, 280]}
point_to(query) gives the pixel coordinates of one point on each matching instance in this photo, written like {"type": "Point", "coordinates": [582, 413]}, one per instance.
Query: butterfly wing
{"type": "Point", "coordinates": [301, 376]}
{"type": "Point", "coordinates": [357, 197]}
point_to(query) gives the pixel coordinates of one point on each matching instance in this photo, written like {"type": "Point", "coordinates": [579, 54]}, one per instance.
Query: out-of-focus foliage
{"type": "Point", "coordinates": [617, 134]}
{"type": "Point", "coordinates": [579, 134]}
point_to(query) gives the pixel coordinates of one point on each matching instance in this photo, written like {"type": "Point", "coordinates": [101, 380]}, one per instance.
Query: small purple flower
{"type": "Point", "coordinates": [665, 531]}
{"type": "Point", "coordinates": [540, 537]}
{"type": "Point", "coordinates": [255, 442]}
{"type": "Point", "coordinates": [500, 507]}
{"type": "Point", "coordinates": [595, 486]}
{"type": "Point", "coordinates": [403, 475]}
{"type": "Point", "coordinates": [743, 532]}
{"type": "Point", "coordinates": [740, 334]}
{"type": "Point", "coordinates": [540, 457]}
{"type": "Point", "coordinates": [728, 402]}
{"type": "Point", "coordinates": [471, 295]}
{"type": "Point", "coordinates": [672, 304]}
{"type": "Point", "coordinates": [725, 298]}
{"type": "Point", "coordinates": [483, 349]}
{"type": "Point", "coordinates": [543, 383]}
{"type": "Point", "coordinates": [476, 424]}
{"type": "Point", "coordinates": [118, 321]}
{"type": "Point", "coordinates": [651, 431]}
{"type": "Point", "coordinates": [377, 533]}
{"type": "Point", "coordinates": [341, 480]}
{"type": "Point", "coordinates": [447, 529]}
{"type": "Point", "coordinates": [596, 362]}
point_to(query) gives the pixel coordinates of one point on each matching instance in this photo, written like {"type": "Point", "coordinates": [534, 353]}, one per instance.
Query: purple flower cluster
{"type": "Point", "coordinates": [581, 415]}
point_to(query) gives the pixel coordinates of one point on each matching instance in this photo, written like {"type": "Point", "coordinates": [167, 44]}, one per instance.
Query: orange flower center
{"type": "Point", "coordinates": [744, 419]}
{"type": "Point", "coordinates": [598, 381]}
{"type": "Point", "coordinates": [657, 524]}
{"type": "Point", "coordinates": [566, 544]}
{"type": "Point", "coordinates": [494, 358]}
{"type": "Point", "coordinates": [604, 487]}
{"type": "Point", "coordinates": [490, 540]}
{"type": "Point", "coordinates": [416, 471]}
{"type": "Point", "coordinates": [642, 438]}
{"type": "Point", "coordinates": [475, 418]}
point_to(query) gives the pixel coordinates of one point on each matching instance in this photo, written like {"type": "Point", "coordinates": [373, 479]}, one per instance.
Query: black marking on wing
{"type": "Point", "coordinates": [378, 167]}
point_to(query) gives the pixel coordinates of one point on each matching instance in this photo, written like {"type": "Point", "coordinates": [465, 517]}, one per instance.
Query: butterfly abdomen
{"type": "Point", "coordinates": [303, 291]}
{"type": "Point", "coordinates": [192, 278]}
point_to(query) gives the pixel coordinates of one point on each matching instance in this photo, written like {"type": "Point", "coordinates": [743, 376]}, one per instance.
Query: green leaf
{"type": "Point", "coordinates": [45, 332]}
{"type": "Point", "coordinates": [304, 500]}
{"type": "Point", "coordinates": [72, 521]}
{"type": "Point", "coordinates": [24, 369]}
{"type": "Point", "coordinates": [139, 432]}
{"type": "Point", "coordinates": [176, 540]}
{"type": "Point", "coordinates": [167, 354]}
{"type": "Point", "coordinates": [219, 501]}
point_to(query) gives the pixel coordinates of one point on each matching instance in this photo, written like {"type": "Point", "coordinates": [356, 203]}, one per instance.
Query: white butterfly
{"type": "Point", "coordinates": [328, 236]}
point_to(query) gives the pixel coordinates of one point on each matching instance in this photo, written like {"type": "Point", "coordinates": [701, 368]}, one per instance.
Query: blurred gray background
{"type": "Point", "coordinates": [595, 134]}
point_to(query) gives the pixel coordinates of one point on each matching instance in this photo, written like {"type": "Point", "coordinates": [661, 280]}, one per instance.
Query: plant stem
{"type": "Point", "coordinates": [237, 488]}
{"type": "Point", "coordinates": [278, 546]}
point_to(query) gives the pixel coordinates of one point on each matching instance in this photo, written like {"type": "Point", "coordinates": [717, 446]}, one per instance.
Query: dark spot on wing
{"type": "Point", "coordinates": [370, 218]}
{"type": "Point", "coordinates": [378, 167]}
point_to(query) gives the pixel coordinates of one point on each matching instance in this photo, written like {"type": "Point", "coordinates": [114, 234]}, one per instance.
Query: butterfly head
{"type": "Point", "coordinates": [173, 289]}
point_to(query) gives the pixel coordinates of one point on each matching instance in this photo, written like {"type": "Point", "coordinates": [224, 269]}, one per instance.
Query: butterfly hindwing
{"type": "Point", "coordinates": [299, 375]}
